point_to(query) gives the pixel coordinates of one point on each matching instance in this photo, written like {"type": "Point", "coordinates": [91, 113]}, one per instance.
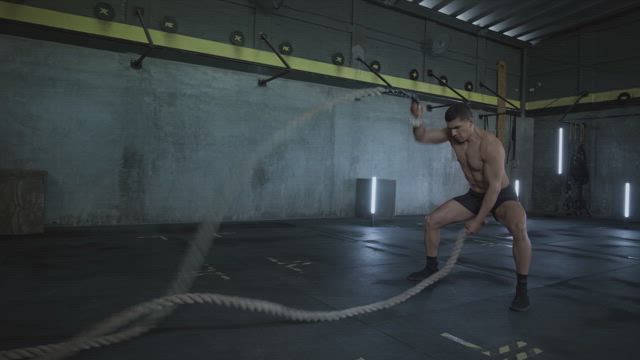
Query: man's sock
{"type": "Point", "coordinates": [522, 283]}
{"type": "Point", "coordinates": [432, 263]}
{"type": "Point", "coordinates": [429, 269]}
{"type": "Point", "coordinates": [521, 300]}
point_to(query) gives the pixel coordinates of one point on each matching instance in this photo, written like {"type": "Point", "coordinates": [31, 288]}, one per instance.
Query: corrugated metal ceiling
{"type": "Point", "coordinates": [529, 20]}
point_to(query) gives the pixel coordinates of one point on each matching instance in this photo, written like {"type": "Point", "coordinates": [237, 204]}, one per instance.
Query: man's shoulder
{"type": "Point", "coordinates": [488, 138]}
{"type": "Point", "coordinates": [490, 143]}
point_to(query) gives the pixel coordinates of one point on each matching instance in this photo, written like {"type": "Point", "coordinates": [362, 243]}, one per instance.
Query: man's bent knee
{"type": "Point", "coordinates": [518, 228]}
{"type": "Point", "coordinates": [431, 223]}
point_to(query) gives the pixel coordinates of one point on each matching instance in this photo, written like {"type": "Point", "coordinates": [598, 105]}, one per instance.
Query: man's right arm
{"type": "Point", "coordinates": [430, 136]}
{"type": "Point", "coordinates": [421, 133]}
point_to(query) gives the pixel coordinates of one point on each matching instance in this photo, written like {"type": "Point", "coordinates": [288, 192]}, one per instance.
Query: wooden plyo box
{"type": "Point", "coordinates": [21, 202]}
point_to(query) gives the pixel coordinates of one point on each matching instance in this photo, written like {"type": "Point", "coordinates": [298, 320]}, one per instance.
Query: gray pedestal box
{"type": "Point", "coordinates": [385, 198]}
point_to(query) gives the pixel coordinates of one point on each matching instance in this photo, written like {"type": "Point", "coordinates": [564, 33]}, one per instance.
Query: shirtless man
{"type": "Point", "coordinates": [481, 157]}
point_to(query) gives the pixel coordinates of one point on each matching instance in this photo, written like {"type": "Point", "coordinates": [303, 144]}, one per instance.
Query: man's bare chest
{"type": "Point", "coordinates": [469, 156]}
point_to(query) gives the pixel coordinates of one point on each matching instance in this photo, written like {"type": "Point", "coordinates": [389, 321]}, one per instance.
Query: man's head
{"type": "Point", "coordinates": [459, 120]}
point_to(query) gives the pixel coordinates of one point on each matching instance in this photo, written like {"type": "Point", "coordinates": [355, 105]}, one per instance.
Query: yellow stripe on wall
{"type": "Point", "coordinates": [89, 25]}
{"type": "Point", "coordinates": [83, 24]}
{"type": "Point", "coordinates": [591, 98]}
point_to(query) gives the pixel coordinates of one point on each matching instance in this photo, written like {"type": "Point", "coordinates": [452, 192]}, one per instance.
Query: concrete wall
{"type": "Point", "coordinates": [612, 143]}
{"type": "Point", "coordinates": [157, 145]}
{"type": "Point", "coordinates": [596, 58]}
{"type": "Point", "coordinates": [152, 146]}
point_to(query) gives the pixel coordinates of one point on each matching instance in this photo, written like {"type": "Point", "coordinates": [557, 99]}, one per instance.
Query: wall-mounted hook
{"type": "Point", "coordinates": [263, 82]}
{"type": "Point", "coordinates": [137, 64]}
{"type": "Point", "coordinates": [442, 82]}
{"type": "Point", "coordinates": [391, 90]}
{"type": "Point", "coordinates": [482, 85]}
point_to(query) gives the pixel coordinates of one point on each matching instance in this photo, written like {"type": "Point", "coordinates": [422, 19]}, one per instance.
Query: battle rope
{"type": "Point", "coordinates": [249, 304]}
{"type": "Point", "coordinates": [157, 309]}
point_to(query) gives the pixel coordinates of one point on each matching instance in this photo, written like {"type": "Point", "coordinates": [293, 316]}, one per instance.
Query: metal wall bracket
{"type": "Point", "coordinates": [482, 85]}
{"type": "Point", "coordinates": [431, 107]}
{"type": "Point", "coordinates": [263, 82]}
{"type": "Point", "coordinates": [137, 64]}
{"type": "Point", "coordinates": [391, 90]}
{"type": "Point", "coordinates": [443, 83]}
{"type": "Point", "coordinates": [566, 112]}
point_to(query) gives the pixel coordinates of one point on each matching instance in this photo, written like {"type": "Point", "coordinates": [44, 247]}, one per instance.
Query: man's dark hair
{"type": "Point", "coordinates": [460, 110]}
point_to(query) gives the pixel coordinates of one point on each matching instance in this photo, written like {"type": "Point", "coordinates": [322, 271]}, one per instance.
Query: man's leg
{"type": "Point", "coordinates": [448, 213]}
{"type": "Point", "coordinates": [512, 215]}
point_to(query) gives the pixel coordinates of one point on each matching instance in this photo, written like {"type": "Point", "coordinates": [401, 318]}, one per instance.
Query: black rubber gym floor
{"type": "Point", "coordinates": [584, 287]}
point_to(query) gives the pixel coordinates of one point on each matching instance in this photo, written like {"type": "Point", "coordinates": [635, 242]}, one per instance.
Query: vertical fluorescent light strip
{"type": "Point", "coordinates": [627, 194]}
{"type": "Point", "coordinates": [373, 195]}
{"type": "Point", "coordinates": [560, 148]}
{"type": "Point", "coordinates": [518, 188]}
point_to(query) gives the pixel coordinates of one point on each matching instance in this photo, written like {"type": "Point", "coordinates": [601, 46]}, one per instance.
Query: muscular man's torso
{"type": "Point", "coordinates": [470, 156]}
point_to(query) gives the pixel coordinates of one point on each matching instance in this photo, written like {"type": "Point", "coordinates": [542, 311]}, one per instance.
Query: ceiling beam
{"type": "Point", "coordinates": [483, 9]}
{"type": "Point", "coordinates": [622, 9]}
{"type": "Point", "coordinates": [441, 4]}
{"type": "Point", "coordinates": [510, 13]}
{"type": "Point", "coordinates": [565, 19]}
{"type": "Point", "coordinates": [464, 8]}
{"type": "Point", "coordinates": [532, 15]}
{"type": "Point", "coordinates": [422, 12]}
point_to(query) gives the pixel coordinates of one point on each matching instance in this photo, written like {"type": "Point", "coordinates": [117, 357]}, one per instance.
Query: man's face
{"type": "Point", "coordinates": [460, 129]}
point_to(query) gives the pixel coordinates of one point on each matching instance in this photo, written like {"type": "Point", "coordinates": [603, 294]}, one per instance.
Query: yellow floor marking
{"type": "Point", "coordinates": [526, 355]}
{"type": "Point", "coordinates": [521, 356]}
{"type": "Point", "coordinates": [500, 350]}
{"type": "Point", "coordinates": [292, 266]}
{"type": "Point", "coordinates": [506, 348]}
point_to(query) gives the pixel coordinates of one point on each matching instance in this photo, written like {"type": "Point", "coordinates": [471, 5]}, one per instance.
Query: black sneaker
{"type": "Point", "coordinates": [520, 302]}
{"type": "Point", "coordinates": [422, 274]}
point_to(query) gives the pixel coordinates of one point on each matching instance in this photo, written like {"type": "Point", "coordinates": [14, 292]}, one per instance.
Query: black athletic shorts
{"type": "Point", "coordinates": [473, 200]}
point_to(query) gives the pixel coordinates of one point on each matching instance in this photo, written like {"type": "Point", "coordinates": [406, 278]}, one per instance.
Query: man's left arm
{"type": "Point", "coordinates": [493, 172]}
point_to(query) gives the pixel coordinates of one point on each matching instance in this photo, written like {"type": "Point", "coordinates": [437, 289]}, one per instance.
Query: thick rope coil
{"type": "Point", "coordinates": [248, 304]}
